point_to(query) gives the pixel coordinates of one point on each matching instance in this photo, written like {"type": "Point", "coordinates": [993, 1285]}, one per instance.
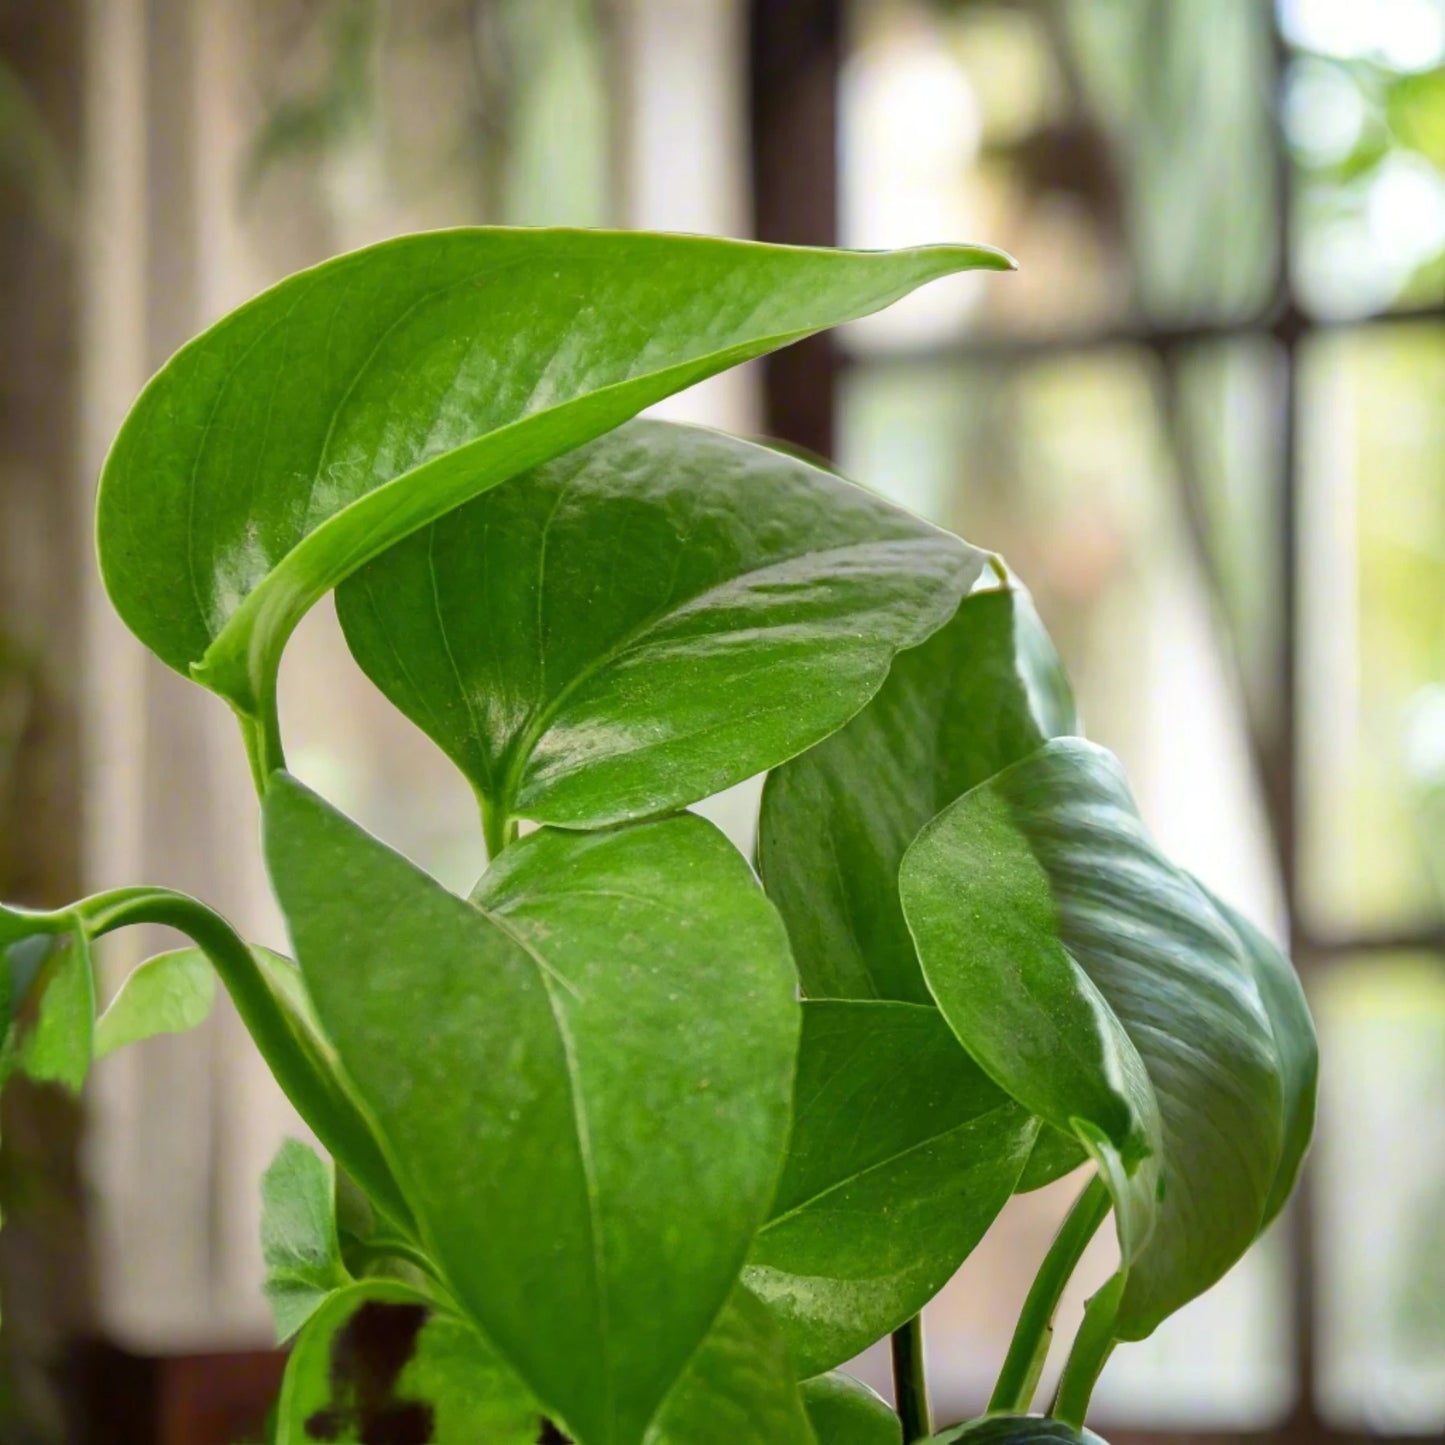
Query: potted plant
{"type": "Point", "coordinates": [635, 1143]}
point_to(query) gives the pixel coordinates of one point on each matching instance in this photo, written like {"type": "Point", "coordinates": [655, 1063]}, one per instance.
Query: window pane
{"type": "Point", "coordinates": [1365, 116]}
{"type": "Point", "coordinates": [1381, 1190]}
{"type": "Point", "coordinates": [1123, 152]}
{"type": "Point", "coordinates": [1373, 661]}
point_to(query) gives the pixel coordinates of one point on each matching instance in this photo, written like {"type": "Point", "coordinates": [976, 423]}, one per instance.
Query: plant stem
{"type": "Point", "coordinates": [303, 1074]}
{"type": "Point", "coordinates": [1029, 1349]}
{"type": "Point", "coordinates": [262, 733]}
{"type": "Point", "coordinates": [1092, 1348]}
{"type": "Point", "coordinates": [498, 829]}
{"type": "Point", "coordinates": [910, 1381]}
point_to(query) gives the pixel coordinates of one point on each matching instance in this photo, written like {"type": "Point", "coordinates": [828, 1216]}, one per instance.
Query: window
{"type": "Point", "coordinates": [1205, 424]}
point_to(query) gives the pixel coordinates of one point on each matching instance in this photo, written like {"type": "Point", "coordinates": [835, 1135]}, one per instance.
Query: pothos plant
{"type": "Point", "coordinates": [636, 1143]}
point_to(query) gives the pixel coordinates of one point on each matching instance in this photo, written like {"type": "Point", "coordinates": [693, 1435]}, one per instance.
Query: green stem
{"type": "Point", "coordinates": [377, 1251]}
{"type": "Point", "coordinates": [1092, 1348]}
{"type": "Point", "coordinates": [910, 1381]}
{"type": "Point", "coordinates": [1029, 1350]}
{"type": "Point", "coordinates": [261, 730]}
{"type": "Point", "coordinates": [297, 1065]}
{"type": "Point", "coordinates": [498, 828]}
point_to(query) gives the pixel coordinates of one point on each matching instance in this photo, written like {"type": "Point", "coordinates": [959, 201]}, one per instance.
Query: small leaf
{"type": "Point", "coordinates": [611, 1028]}
{"type": "Point", "coordinates": [903, 1152]}
{"type": "Point", "coordinates": [54, 1032]}
{"type": "Point", "coordinates": [356, 402]}
{"type": "Point", "coordinates": [844, 1411]}
{"type": "Point", "coordinates": [168, 994]}
{"type": "Point", "coordinates": [647, 620]}
{"type": "Point", "coordinates": [1015, 1430]}
{"type": "Point", "coordinates": [740, 1386]}
{"type": "Point", "coordinates": [984, 691]}
{"type": "Point", "coordinates": [1100, 986]}
{"type": "Point", "coordinates": [379, 1362]}
{"type": "Point", "coordinates": [298, 1235]}
{"type": "Point", "coordinates": [22, 953]}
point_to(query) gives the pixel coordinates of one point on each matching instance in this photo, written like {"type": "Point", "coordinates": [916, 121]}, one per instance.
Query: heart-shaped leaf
{"type": "Point", "coordinates": [612, 1027]}
{"type": "Point", "coordinates": [844, 1411]}
{"type": "Point", "coordinates": [299, 1244]}
{"type": "Point", "coordinates": [647, 620]}
{"type": "Point", "coordinates": [168, 994]}
{"type": "Point", "coordinates": [739, 1386]}
{"type": "Point", "coordinates": [378, 1361]}
{"type": "Point", "coordinates": [1100, 986]}
{"type": "Point", "coordinates": [1015, 1430]}
{"type": "Point", "coordinates": [341, 410]}
{"type": "Point", "coordinates": [903, 1152]}
{"type": "Point", "coordinates": [984, 691]}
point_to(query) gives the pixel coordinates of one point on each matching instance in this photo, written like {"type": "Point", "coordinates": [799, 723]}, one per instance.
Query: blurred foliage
{"type": "Point", "coordinates": [1368, 142]}
{"type": "Point", "coordinates": [1157, 122]}
{"type": "Point", "coordinates": [337, 106]}
{"type": "Point", "coordinates": [33, 170]}
{"type": "Point", "coordinates": [530, 140]}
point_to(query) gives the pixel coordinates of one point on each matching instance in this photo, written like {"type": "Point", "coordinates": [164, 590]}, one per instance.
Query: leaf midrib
{"type": "Point", "coordinates": [550, 979]}
{"type": "Point", "coordinates": [535, 731]}
{"type": "Point", "coordinates": [1007, 1106]}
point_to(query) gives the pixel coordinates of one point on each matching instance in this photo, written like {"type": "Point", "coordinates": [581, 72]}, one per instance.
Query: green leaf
{"type": "Point", "coordinates": [740, 1386]}
{"type": "Point", "coordinates": [984, 691]}
{"type": "Point", "coordinates": [378, 1361]}
{"type": "Point", "coordinates": [53, 1034]}
{"type": "Point", "coordinates": [902, 1154]}
{"type": "Point", "coordinates": [354, 403]}
{"type": "Point", "coordinates": [1296, 1049]}
{"type": "Point", "coordinates": [1015, 1430]}
{"type": "Point", "coordinates": [611, 1029]}
{"type": "Point", "coordinates": [168, 994]}
{"type": "Point", "coordinates": [23, 951]}
{"type": "Point", "coordinates": [844, 1411]}
{"type": "Point", "coordinates": [1099, 985]}
{"type": "Point", "coordinates": [299, 1244]}
{"type": "Point", "coordinates": [647, 620]}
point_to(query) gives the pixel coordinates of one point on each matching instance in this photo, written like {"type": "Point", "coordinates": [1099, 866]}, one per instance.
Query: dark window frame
{"type": "Point", "coordinates": [795, 54]}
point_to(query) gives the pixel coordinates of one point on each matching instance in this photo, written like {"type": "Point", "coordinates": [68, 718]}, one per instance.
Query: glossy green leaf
{"type": "Point", "coordinates": [299, 1244]}
{"type": "Point", "coordinates": [341, 410]}
{"type": "Point", "coordinates": [739, 1386]}
{"type": "Point", "coordinates": [647, 620]}
{"type": "Point", "coordinates": [168, 994]}
{"type": "Point", "coordinates": [1296, 1049]}
{"type": "Point", "coordinates": [984, 691]}
{"type": "Point", "coordinates": [902, 1154]}
{"type": "Point", "coordinates": [378, 1362]}
{"type": "Point", "coordinates": [1100, 986]}
{"type": "Point", "coordinates": [1015, 1430]}
{"type": "Point", "coordinates": [844, 1411]}
{"type": "Point", "coordinates": [611, 1029]}
{"type": "Point", "coordinates": [52, 1035]}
